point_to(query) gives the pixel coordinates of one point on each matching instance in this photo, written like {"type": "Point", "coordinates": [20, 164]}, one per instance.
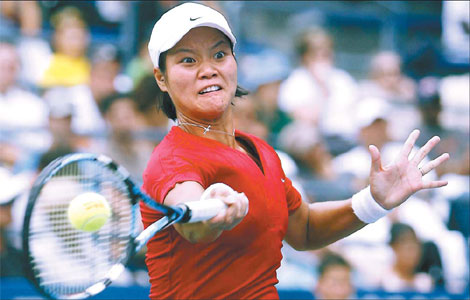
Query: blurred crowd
{"type": "Point", "coordinates": [62, 93]}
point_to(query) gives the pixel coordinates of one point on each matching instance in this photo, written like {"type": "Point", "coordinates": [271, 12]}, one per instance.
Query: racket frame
{"type": "Point", "coordinates": [172, 214]}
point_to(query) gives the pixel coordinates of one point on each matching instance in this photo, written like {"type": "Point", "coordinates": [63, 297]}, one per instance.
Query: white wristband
{"type": "Point", "coordinates": [366, 208]}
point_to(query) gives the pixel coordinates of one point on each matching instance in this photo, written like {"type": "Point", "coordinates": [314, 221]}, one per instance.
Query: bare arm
{"type": "Point", "coordinates": [30, 17]}
{"type": "Point", "coordinates": [319, 224]}
{"type": "Point", "coordinates": [316, 225]}
{"type": "Point", "coordinates": [208, 231]}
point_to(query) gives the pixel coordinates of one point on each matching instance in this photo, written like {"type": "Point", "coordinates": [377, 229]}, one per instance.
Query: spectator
{"type": "Point", "coordinates": [452, 140]}
{"type": "Point", "coordinates": [25, 15]}
{"type": "Point", "coordinates": [431, 228]}
{"type": "Point", "coordinates": [122, 142]}
{"type": "Point", "coordinates": [457, 196]}
{"type": "Point", "coordinates": [246, 118]}
{"type": "Point", "coordinates": [23, 123]}
{"type": "Point", "coordinates": [444, 108]}
{"type": "Point", "coordinates": [335, 278]}
{"type": "Point", "coordinates": [317, 91]}
{"type": "Point", "coordinates": [431, 263]}
{"type": "Point", "coordinates": [429, 104]}
{"type": "Point", "coordinates": [23, 115]}
{"type": "Point", "coordinates": [140, 66]}
{"type": "Point", "coordinates": [105, 68]}
{"type": "Point", "coordinates": [402, 275]}
{"type": "Point", "coordinates": [371, 117]}
{"type": "Point", "coordinates": [453, 92]}
{"type": "Point", "coordinates": [86, 98]}
{"type": "Point", "coordinates": [261, 71]}
{"type": "Point", "coordinates": [304, 143]}
{"type": "Point", "coordinates": [387, 81]}
{"type": "Point", "coordinates": [69, 65]}
{"type": "Point", "coordinates": [23, 21]}
{"type": "Point", "coordinates": [62, 135]}
{"type": "Point", "coordinates": [269, 112]}
{"type": "Point", "coordinates": [317, 175]}
{"type": "Point", "coordinates": [10, 258]}
{"type": "Point", "coordinates": [456, 31]}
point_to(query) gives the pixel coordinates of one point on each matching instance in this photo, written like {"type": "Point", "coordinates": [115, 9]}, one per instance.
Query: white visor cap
{"type": "Point", "coordinates": [178, 21]}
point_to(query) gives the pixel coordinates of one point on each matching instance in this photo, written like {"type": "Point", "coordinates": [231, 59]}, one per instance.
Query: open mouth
{"type": "Point", "coordinates": [212, 88]}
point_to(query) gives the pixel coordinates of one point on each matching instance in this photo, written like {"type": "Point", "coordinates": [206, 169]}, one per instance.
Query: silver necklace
{"type": "Point", "coordinates": [207, 129]}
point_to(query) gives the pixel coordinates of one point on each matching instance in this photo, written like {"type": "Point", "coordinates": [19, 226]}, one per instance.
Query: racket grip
{"type": "Point", "coordinates": [205, 209]}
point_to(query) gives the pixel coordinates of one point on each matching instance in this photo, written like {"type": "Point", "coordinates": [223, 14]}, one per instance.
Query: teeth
{"type": "Point", "coordinates": [210, 89]}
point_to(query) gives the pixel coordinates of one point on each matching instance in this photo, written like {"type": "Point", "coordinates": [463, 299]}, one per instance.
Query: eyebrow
{"type": "Point", "coordinates": [179, 50]}
{"type": "Point", "coordinates": [219, 43]}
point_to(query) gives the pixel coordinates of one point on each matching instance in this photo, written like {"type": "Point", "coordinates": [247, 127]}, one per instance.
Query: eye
{"type": "Point", "coordinates": [219, 55]}
{"type": "Point", "coordinates": [188, 60]}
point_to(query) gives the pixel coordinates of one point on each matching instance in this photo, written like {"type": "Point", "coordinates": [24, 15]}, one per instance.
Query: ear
{"type": "Point", "coordinates": [160, 78]}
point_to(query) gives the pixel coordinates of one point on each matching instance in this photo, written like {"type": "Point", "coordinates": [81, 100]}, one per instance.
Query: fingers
{"type": "Point", "coordinates": [237, 206]}
{"type": "Point", "coordinates": [217, 190]}
{"type": "Point", "coordinates": [236, 211]}
{"type": "Point", "coordinates": [421, 154]}
{"type": "Point", "coordinates": [428, 167]}
{"type": "Point", "coordinates": [376, 161]}
{"type": "Point", "coordinates": [243, 205]}
{"type": "Point", "coordinates": [409, 143]}
{"type": "Point", "coordinates": [434, 184]}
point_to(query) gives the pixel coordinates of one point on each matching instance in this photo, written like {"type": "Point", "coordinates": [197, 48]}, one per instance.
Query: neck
{"type": "Point", "coordinates": [403, 272]}
{"type": "Point", "coordinates": [223, 132]}
{"type": "Point", "coordinates": [4, 89]}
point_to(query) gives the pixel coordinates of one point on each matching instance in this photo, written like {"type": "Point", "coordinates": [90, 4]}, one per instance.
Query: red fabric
{"type": "Point", "coordinates": [242, 262]}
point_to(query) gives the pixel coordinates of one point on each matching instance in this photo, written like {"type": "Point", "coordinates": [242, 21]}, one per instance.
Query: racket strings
{"type": "Point", "coordinates": [67, 260]}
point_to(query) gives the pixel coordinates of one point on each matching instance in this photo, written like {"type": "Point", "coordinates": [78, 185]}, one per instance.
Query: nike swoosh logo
{"type": "Point", "coordinates": [194, 19]}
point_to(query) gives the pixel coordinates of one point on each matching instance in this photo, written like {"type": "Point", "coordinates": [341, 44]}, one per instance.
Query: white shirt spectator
{"type": "Point", "coordinates": [23, 116]}
{"type": "Point", "coordinates": [86, 117]}
{"type": "Point", "coordinates": [455, 35]}
{"type": "Point", "coordinates": [454, 92]}
{"type": "Point", "coordinates": [391, 282]}
{"type": "Point", "coordinates": [301, 92]}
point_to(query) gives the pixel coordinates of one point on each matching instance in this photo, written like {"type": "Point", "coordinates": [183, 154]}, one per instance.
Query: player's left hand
{"type": "Point", "coordinates": [391, 185]}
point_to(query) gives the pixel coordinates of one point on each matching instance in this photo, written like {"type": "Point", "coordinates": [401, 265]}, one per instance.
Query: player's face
{"type": "Point", "coordinates": [201, 74]}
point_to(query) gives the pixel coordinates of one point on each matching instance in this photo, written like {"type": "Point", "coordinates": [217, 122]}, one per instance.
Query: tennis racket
{"type": "Point", "coordinates": [67, 263]}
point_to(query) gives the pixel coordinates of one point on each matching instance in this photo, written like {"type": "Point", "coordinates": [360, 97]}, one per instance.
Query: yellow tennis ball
{"type": "Point", "coordinates": [88, 211]}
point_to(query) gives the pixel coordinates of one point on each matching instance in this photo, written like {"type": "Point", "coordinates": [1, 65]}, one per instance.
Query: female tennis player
{"type": "Point", "coordinates": [235, 254]}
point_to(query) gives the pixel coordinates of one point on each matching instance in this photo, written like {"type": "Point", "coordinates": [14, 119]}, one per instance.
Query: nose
{"type": "Point", "coordinates": [207, 70]}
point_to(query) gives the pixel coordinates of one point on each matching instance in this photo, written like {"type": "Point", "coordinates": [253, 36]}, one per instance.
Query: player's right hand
{"type": "Point", "coordinates": [237, 206]}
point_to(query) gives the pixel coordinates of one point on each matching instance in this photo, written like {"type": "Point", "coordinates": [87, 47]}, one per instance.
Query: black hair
{"type": "Point", "coordinates": [106, 52]}
{"type": "Point", "coordinates": [332, 259]}
{"type": "Point", "coordinates": [310, 38]}
{"type": "Point", "coordinates": [46, 158]}
{"type": "Point", "coordinates": [398, 230]}
{"type": "Point", "coordinates": [105, 105]}
{"type": "Point", "coordinates": [164, 102]}
{"type": "Point", "coordinates": [144, 93]}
